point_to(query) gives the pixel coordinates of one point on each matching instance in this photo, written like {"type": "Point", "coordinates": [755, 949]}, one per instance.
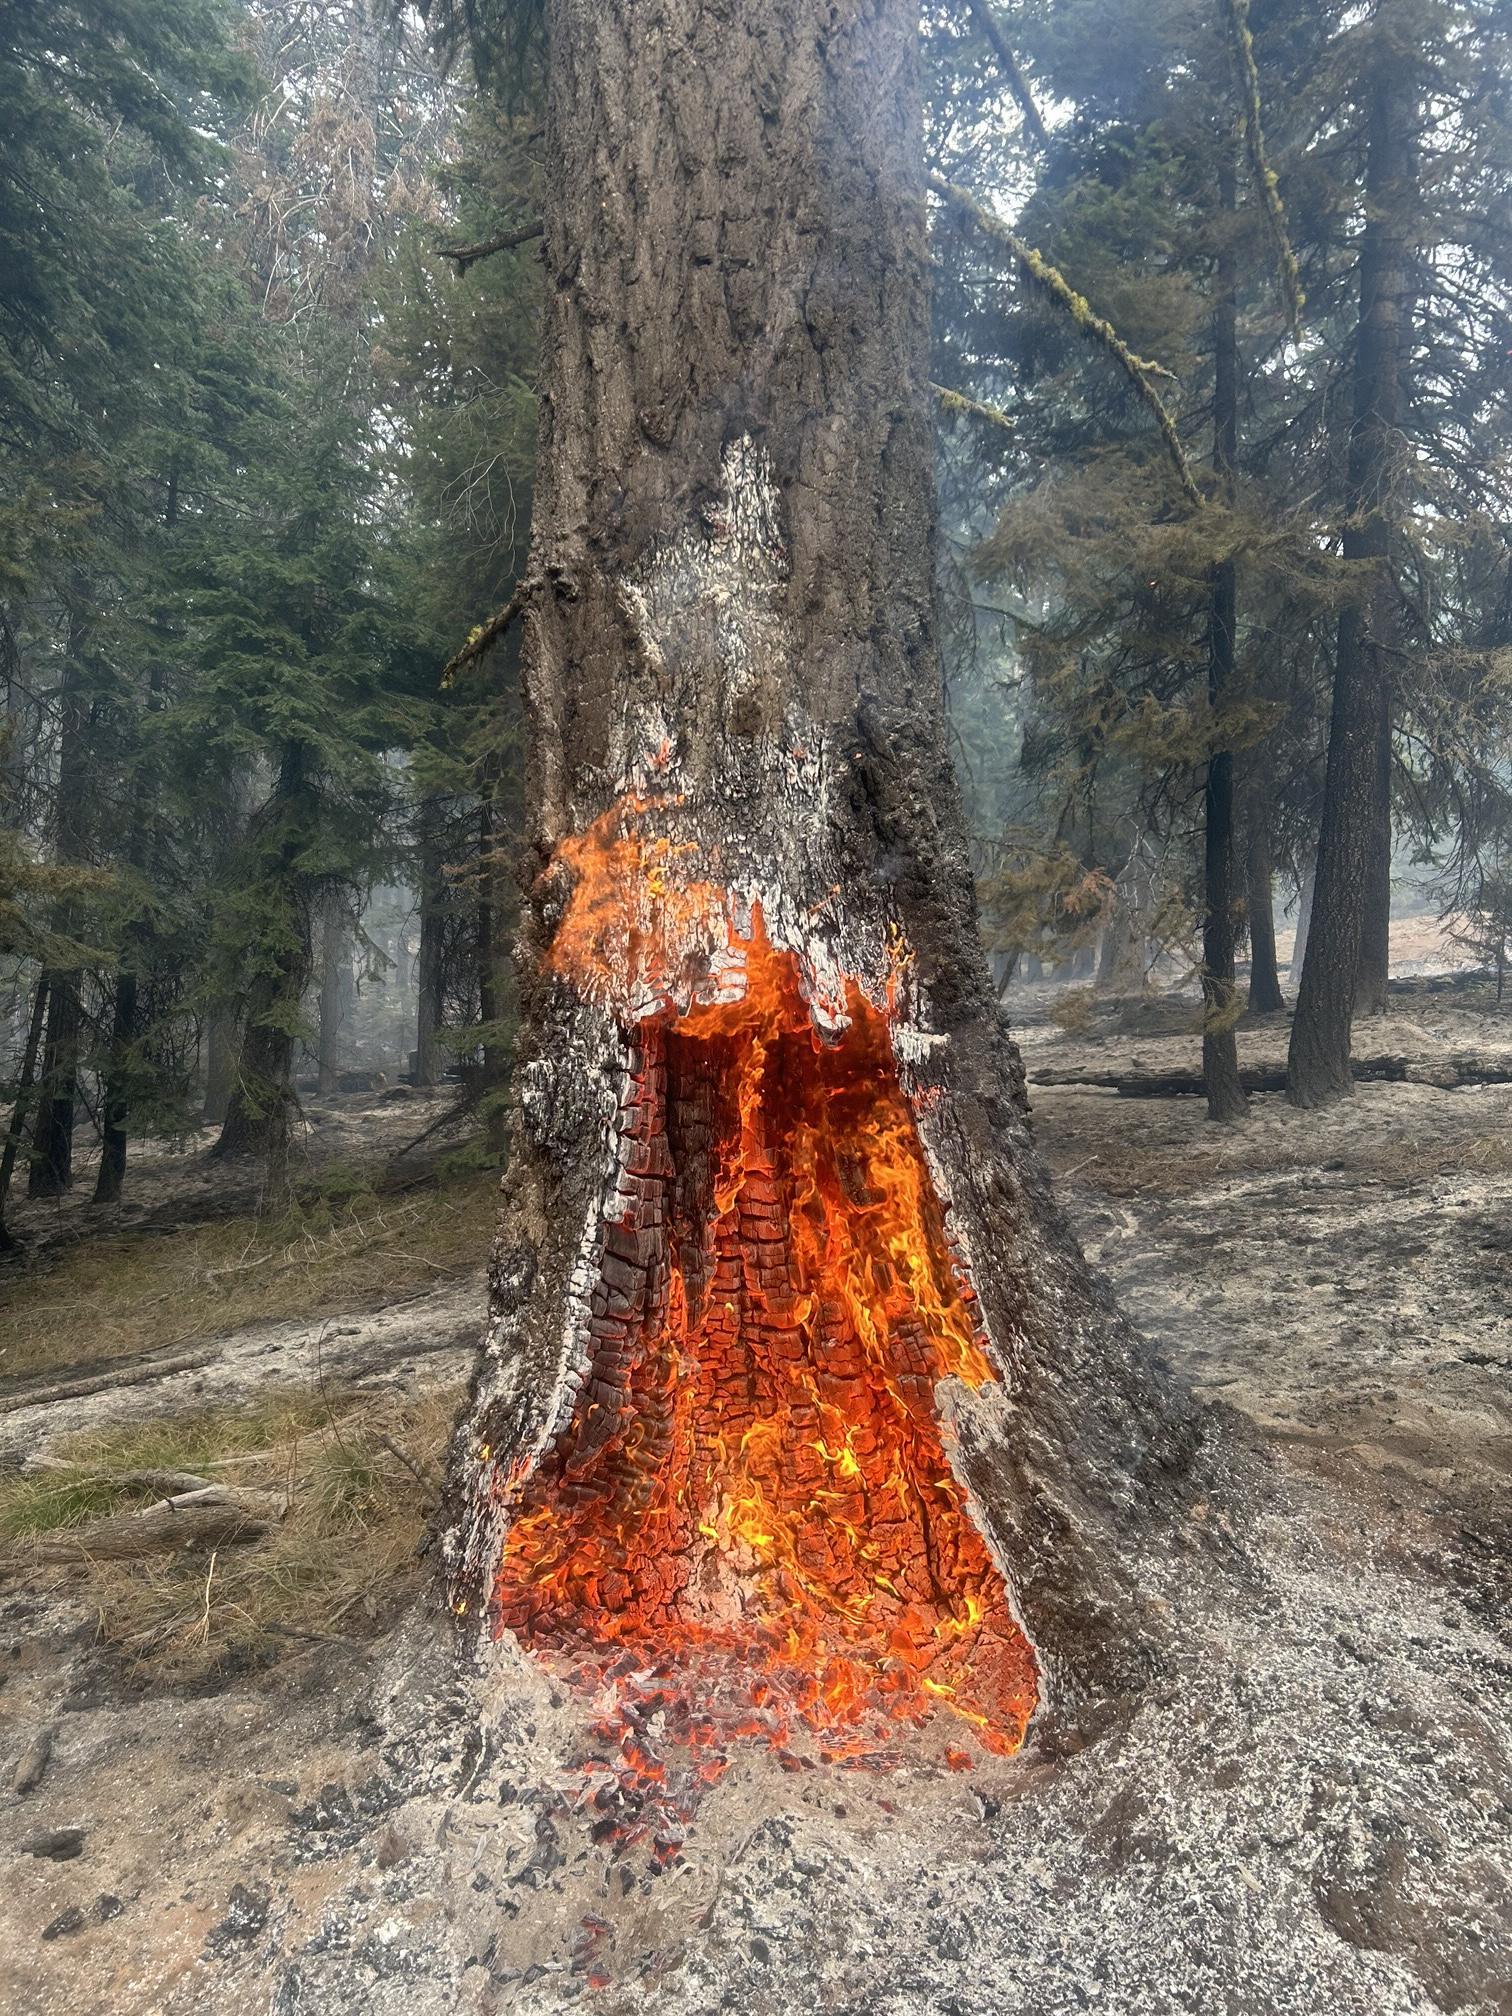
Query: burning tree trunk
{"type": "Point", "coordinates": [798, 1404]}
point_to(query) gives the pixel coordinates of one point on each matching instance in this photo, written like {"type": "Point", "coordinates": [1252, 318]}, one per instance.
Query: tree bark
{"type": "Point", "coordinates": [1265, 996]}
{"type": "Point", "coordinates": [24, 1082]}
{"type": "Point", "coordinates": [738, 770]}
{"type": "Point", "coordinates": [333, 954]}
{"type": "Point", "coordinates": [1373, 977]}
{"type": "Point", "coordinates": [430, 973]}
{"type": "Point", "coordinates": [1220, 999]}
{"type": "Point", "coordinates": [1351, 853]}
{"type": "Point", "coordinates": [1304, 919]}
{"type": "Point", "coordinates": [52, 1133]}
{"type": "Point", "coordinates": [260, 1110]}
{"type": "Point", "coordinates": [220, 1064]}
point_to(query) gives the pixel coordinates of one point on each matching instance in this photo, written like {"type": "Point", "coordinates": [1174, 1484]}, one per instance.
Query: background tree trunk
{"type": "Point", "coordinates": [24, 1082]}
{"type": "Point", "coordinates": [430, 972]}
{"type": "Point", "coordinates": [736, 717]}
{"type": "Point", "coordinates": [260, 1110]}
{"type": "Point", "coordinates": [335, 966]}
{"type": "Point", "coordinates": [1351, 853]}
{"type": "Point", "coordinates": [1265, 996]}
{"type": "Point", "coordinates": [51, 1170]}
{"type": "Point", "coordinates": [1220, 999]}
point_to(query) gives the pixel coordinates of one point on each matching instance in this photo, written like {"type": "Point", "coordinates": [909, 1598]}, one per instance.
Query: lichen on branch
{"type": "Point", "coordinates": [1048, 280]}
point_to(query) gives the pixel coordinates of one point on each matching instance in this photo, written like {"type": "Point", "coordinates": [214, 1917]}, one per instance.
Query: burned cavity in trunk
{"type": "Point", "coordinates": [750, 1515]}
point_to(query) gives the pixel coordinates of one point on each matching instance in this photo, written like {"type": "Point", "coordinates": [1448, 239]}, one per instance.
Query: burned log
{"type": "Point", "coordinates": [800, 1412]}
{"type": "Point", "coordinates": [1139, 1081]}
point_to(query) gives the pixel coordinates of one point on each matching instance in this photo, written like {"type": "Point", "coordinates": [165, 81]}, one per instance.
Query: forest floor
{"type": "Point", "coordinates": [258, 1786]}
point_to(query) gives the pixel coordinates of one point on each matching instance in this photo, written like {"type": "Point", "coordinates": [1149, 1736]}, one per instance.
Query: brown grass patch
{"type": "Point", "coordinates": [358, 1480]}
{"type": "Point", "coordinates": [115, 1297]}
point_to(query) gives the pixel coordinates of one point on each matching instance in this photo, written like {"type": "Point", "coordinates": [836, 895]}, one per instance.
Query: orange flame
{"type": "Point", "coordinates": [752, 1494]}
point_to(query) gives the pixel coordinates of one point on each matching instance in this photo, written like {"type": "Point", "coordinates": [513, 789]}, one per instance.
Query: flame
{"type": "Point", "coordinates": [752, 1501]}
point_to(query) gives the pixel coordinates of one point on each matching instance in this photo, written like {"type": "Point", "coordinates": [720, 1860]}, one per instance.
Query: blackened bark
{"type": "Point", "coordinates": [1265, 996]}
{"type": "Point", "coordinates": [730, 649]}
{"type": "Point", "coordinates": [116, 1101]}
{"type": "Point", "coordinates": [1220, 1001]}
{"type": "Point", "coordinates": [1351, 851]}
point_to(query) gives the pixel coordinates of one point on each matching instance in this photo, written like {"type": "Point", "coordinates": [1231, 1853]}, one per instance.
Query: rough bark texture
{"type": "Point", "coordinates": [1220, 1005]}
{"type": "Point", "coordinates": [732, 679]}
{"type": "Point", "coordinates": [1351, 854]}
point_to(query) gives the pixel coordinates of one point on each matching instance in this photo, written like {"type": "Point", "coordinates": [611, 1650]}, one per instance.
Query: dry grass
{"type": "Point", "coordinates": [115, 1297]}
{"type": "Point", "coordinates": [358, 1479]}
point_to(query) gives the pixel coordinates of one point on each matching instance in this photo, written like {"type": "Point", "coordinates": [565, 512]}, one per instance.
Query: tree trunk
{"type": "Point", "coordinates": [52, 1134]}
{"type": "Point", "coordinates": [493, 979]}
{"type": "Point", "coordinates": [220, 1064]}
{"type": "Point", "coordinates": [776, 1246]}
{"type": "Point", "coordinates": [430, 972]}
{"type": "Point", "coordinates": [24, 1083]}
{"type": "Point", "coordinates": [1220, 997]}
{"type": "Point", "coordinates": [116, 1102]}
{"type": "Point", "coordinates": [333, 955]}
{"type": "Point", "coordinates": [260, 1110]}
{"type": "Point", "coordinates": [1265, 996]}
{"type": "Point", "coordinates": [1304, 918]}
{"type": "Point", "coordinates": [1373, 976]}
{"type": "Point", "coordinates": [1350, 847]}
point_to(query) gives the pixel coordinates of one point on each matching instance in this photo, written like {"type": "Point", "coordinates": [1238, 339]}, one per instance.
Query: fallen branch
{"type": "Point", "coordinates": [213, 1517]}
{"type": "Point", "coordinates": [1141, 372]}
{"type": "Point", "coordinates": [1445, 1072]}
{"type": "Point", "coordinates": [1018, 84]}
{"type": "Point", "coordinates": [164, 1483]}
{"type": "Point", "coordinates": [126, 1374]}
{"type": "Point", "coordinates": [469, 255]}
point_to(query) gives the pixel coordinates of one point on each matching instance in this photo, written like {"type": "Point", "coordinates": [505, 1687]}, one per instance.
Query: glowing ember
{"type": "Point", "coordinates": [751, 1505]}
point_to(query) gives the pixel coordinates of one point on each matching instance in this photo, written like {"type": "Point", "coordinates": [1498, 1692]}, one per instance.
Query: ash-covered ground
{"type": "Point", "coordinates": [1310, 1813]}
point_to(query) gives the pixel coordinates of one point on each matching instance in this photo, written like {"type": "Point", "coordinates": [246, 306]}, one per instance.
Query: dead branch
{"type": "Point", "coordinates": [469, 255]}
{"type": "Point", "coordinates": [1293, 298]}
{"type": "Point", "coordinates": [484, 636]}
{"type": "Point", "coordinates": [216, 1516]}
{"type": "Point", "coordinates": [1141, 372]}
{"type": "Point", "coordinates": [1018, 84]}
{"type": "Point", "coordinates": [957, 402]}
{"type": "Point", "coordinates": [99, 1382]}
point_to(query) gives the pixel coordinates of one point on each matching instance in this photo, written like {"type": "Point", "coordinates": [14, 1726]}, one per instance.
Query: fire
{"type": "Point", "coordinates": [752, 1503]}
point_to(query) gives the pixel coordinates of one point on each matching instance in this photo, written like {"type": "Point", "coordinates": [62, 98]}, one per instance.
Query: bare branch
{"type": "Point", "coordinates": [958, 403]}
{"type": "Point", "coordinates": [1018, 84]}
{"type": "Point", "coordinates": [484, 636]}
{"type": "Point", "coordinates": [1141, 372]}
{"type": "Point", "coordinates": [468, 255]}
{"type": "Point", "coordinates": [1292, 295]}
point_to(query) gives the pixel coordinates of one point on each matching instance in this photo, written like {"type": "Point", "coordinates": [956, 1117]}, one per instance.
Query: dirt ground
{"type": "Point", "coordinates": [1312, 1816]}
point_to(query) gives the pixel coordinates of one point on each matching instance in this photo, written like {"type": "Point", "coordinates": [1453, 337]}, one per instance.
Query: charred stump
{"type": "Point", "coordinates": [798, 1403]}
